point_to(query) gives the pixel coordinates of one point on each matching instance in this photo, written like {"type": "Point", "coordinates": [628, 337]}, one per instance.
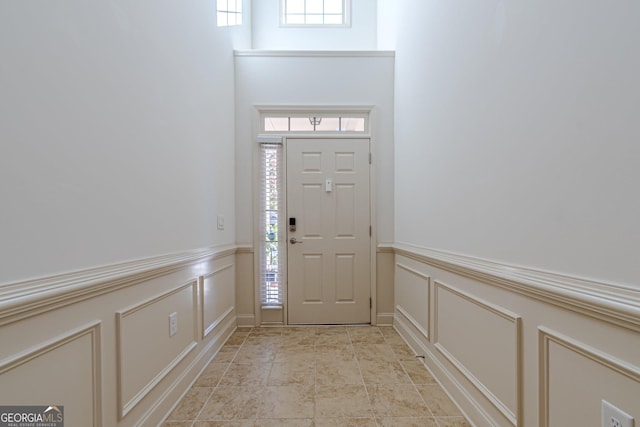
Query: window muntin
{"type": "Point", "coordinates": [315, 123]}
{"type": "Point", "coordinates": [229, 12]}
{"type": "Point", "coordinates": [315, 12]}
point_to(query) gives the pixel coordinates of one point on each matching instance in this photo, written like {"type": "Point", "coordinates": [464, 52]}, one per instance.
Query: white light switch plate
{"type": "Point", "coordinates": [220, 222]}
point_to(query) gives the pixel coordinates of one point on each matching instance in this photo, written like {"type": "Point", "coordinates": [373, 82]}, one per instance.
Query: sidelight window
{"type": "Point", "coordinates": [271, 226]}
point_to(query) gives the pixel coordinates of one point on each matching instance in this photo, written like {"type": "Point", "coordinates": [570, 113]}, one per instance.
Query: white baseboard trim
{"type": "Point", "coordinates": [471, 409]}
{"type": "Point", "coordinates": [246, 320]}
{"type": "Point", "coordinates": [384, 319]}
{"type": "Point", "coordinates": [160, 410]}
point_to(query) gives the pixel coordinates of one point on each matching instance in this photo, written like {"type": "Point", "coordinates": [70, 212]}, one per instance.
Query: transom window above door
{"type": "Point", "coordinates": [315, 12]}
{"type": "Point", "coordinates": [316, 123]}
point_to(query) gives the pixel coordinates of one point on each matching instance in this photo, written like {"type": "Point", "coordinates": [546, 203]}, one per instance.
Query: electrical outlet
{"type": "Point", "coordinates": [614, 417]}
{"type": "Point", "coordinates": [220, 222]}
{"type": "Point", "coordinates": [173, 324]}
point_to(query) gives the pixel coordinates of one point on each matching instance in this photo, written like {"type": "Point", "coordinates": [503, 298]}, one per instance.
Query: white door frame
{"type": "Point", "coordinates": [272, 316]}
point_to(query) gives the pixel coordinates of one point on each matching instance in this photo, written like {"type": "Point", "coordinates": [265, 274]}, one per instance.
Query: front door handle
{"type": "Point", "coordinates": [293, 241]}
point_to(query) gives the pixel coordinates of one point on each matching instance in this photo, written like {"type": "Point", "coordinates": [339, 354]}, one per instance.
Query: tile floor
{"type": "Point", "coordinates": [315, 377]}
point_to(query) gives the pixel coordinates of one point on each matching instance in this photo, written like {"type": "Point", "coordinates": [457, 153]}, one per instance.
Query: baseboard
{"type": "Point", "coordinates": [246, 320]}
{"type": "Point", "coordinates": [384, 319]}
{"type": "Point", "coordinates": [172, 395]}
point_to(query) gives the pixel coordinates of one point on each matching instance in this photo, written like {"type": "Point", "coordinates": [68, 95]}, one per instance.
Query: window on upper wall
{"type": "Point", "coordinates": [330, 13]}
{"type": "Point", "coordinates": [229, 12]}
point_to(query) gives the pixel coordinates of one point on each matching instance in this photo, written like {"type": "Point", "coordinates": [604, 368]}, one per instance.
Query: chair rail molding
{"type": "Point", "coordinates": [611, 303]}
{"type": "Point", "coordinates": [31, 297]}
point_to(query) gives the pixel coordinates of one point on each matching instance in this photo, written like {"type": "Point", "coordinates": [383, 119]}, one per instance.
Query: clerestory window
{"type": "Point", "coordinates": [315, 13]}
{"type": "Point", "coordinates": [229, 12]}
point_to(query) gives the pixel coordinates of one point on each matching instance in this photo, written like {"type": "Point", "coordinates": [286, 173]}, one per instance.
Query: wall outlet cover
{"type": "Point", "coordinates": [615, 417]}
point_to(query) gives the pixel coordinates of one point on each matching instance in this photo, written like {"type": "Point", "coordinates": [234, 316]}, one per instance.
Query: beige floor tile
{"type": "Point", "coordinates": [331, 330]}
{"type": "Point", "coordinates": [333, 373]}
{"type": "Point", "coordinates": [341, 352]}
{"type": "Point", "coordinates": [438, 401]}
{"type": "Point", "coordinates": [237, 338]}
{"type": "Point", "coordinates": [283, 422]}
{"type": "Point", "coordinates": [292, 373]}
{"type": "Point", "coordinates": [311, 377]}
{"type": "Point", "coordinates": [191, 404]}
{"type": "Point", "coordinates": [332, 340]}
{"type": "Point", "coordinates": [453, 422]}
{"type": "Point", "coordinates": [345, 422]}
{"type": "Point", "coordinates": [368, 334]}
{"type": "Point", "coordinates": [211, 375]}
{"type": "Point", "coordinates": [291, 401]}
{"type": "Point", "coordinates": [256, 354]}
{"type": "Point", "coordinates": [407, 422]}
{"type": "Point", "coordinates": [388, 331]}
{"type": "Point", "coordinates": [342, 401]}
{"type": "Point", "coordinates": [266, 332]}
{"type": "Point", "coordinates": [299, 354]}
{"type": "Point", "coordinates": [241, 423]}
{"type": "Point", "coordinates": [366, 351]}
{"type": "Point", "coordinates": [397, 401]}
{"type": "Point", "coordinates": [403, 351]}
{"type": "Point", "coordinates": [299, 331]}
{"type": "Point", "coordinates": [297, 340]}
{"type": "Point", "coordinates": [383, 372]}
{"type": "Point", "coordinates": [232, 403]}
{"type": "Point", "coordinates": [418, 373]}
{"type": "Point", "coordinates": [226, 354]}
{"type": "Point", "coordinates": [246, 374]}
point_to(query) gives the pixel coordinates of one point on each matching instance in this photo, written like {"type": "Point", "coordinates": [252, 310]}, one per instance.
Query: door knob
{"type": "Point", "coordinates": [293, 241]}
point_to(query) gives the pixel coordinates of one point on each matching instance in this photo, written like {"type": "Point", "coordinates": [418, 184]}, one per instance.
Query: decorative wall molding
{"type": "Point", "coordinates": [206, 329]}
{"type": "Point", "coordinates": [167, 402]}
{"type": "Point", "coordinates": [28, 298]}
{"type": "Point", "coordinates": [93, 330]}
{"type": "Point", "coordinates": [547, 336]}
{"type": "Point", "coordinates": [611, 303]}
{"type": "Point", "coordinates": [125, 406]}
{"type": "Point", "coordinates": [514, 416]}
{"type": "Point", "coordinates": [423, 329]}
{"type": "Point", "coordinates": [384, 248]}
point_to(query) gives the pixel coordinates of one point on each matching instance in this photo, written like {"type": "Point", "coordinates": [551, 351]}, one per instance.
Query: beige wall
{"type": "Point", "coordinates": [98, 343]}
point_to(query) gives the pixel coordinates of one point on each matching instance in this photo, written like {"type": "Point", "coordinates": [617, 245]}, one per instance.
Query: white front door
{"type": "Point", "coordinates": [328, 194]}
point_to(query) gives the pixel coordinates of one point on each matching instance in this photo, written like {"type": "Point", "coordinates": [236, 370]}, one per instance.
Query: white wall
{"type": "Point", "coordinates": [387, 24]}
{"type": "Point", "coordinates": [517, 133]}
{"type": "Point", "coordinates": [267, 33]}
{"type": "Point", "coordinates": [117, 134]}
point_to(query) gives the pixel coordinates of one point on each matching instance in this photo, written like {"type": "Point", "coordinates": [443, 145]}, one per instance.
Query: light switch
{"type": "Point", "coordinates": [220, 222]}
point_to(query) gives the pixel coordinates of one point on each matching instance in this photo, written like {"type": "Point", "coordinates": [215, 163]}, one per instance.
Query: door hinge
{"type": "Point", "coordinates": [370, 303]}
{"type": "Point", "coordinates": [370, 231]}
{"type": "Point", "coordinates": [370, 157]}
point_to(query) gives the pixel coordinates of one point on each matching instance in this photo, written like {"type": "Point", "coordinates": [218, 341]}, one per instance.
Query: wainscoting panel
{"type": "Point", "coordinates": [483, 342]}
{"type": "Point", "coordinates": [412, 294]}
{"type": "Point", "coordinates": [146, 351]}
{"type": "Point", "coordinates": [575, 378]}
{"type": "Point", "coordinates": [65, 370]}
{"type": "Point", "coordinates": [513, 346]}
{"type": "Point", "coordinates": [98, 341]}
{"type": "Point", "coordinates": [217, 297]}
